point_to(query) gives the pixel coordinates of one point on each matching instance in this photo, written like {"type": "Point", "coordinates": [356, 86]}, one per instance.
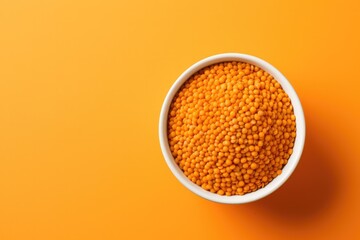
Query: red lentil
{"type": "Point", "coordinates": [231, 128]}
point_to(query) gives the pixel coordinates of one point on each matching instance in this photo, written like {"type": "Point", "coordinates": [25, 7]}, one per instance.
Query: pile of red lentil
{"type": "Point", "coordinates": [231, 128]}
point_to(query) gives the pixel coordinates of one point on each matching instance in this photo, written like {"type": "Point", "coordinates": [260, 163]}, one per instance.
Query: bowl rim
{"type": "Point", "coordinates": [298, 144]}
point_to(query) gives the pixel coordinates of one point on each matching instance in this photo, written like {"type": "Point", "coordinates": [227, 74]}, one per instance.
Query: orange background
{"type": "Point", "coordinates": [81, 87]}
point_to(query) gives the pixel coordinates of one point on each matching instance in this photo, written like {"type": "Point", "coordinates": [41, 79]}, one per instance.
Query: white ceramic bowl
{"type": "Point", "coordinates": [298, 145]}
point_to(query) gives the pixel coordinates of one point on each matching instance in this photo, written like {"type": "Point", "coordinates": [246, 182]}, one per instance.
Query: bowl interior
{"type": "Point", "coordinates": [298, 145]}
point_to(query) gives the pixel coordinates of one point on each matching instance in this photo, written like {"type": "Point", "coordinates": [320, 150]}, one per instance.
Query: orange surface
{"type": "Point", "coordinates": [81, 86]}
